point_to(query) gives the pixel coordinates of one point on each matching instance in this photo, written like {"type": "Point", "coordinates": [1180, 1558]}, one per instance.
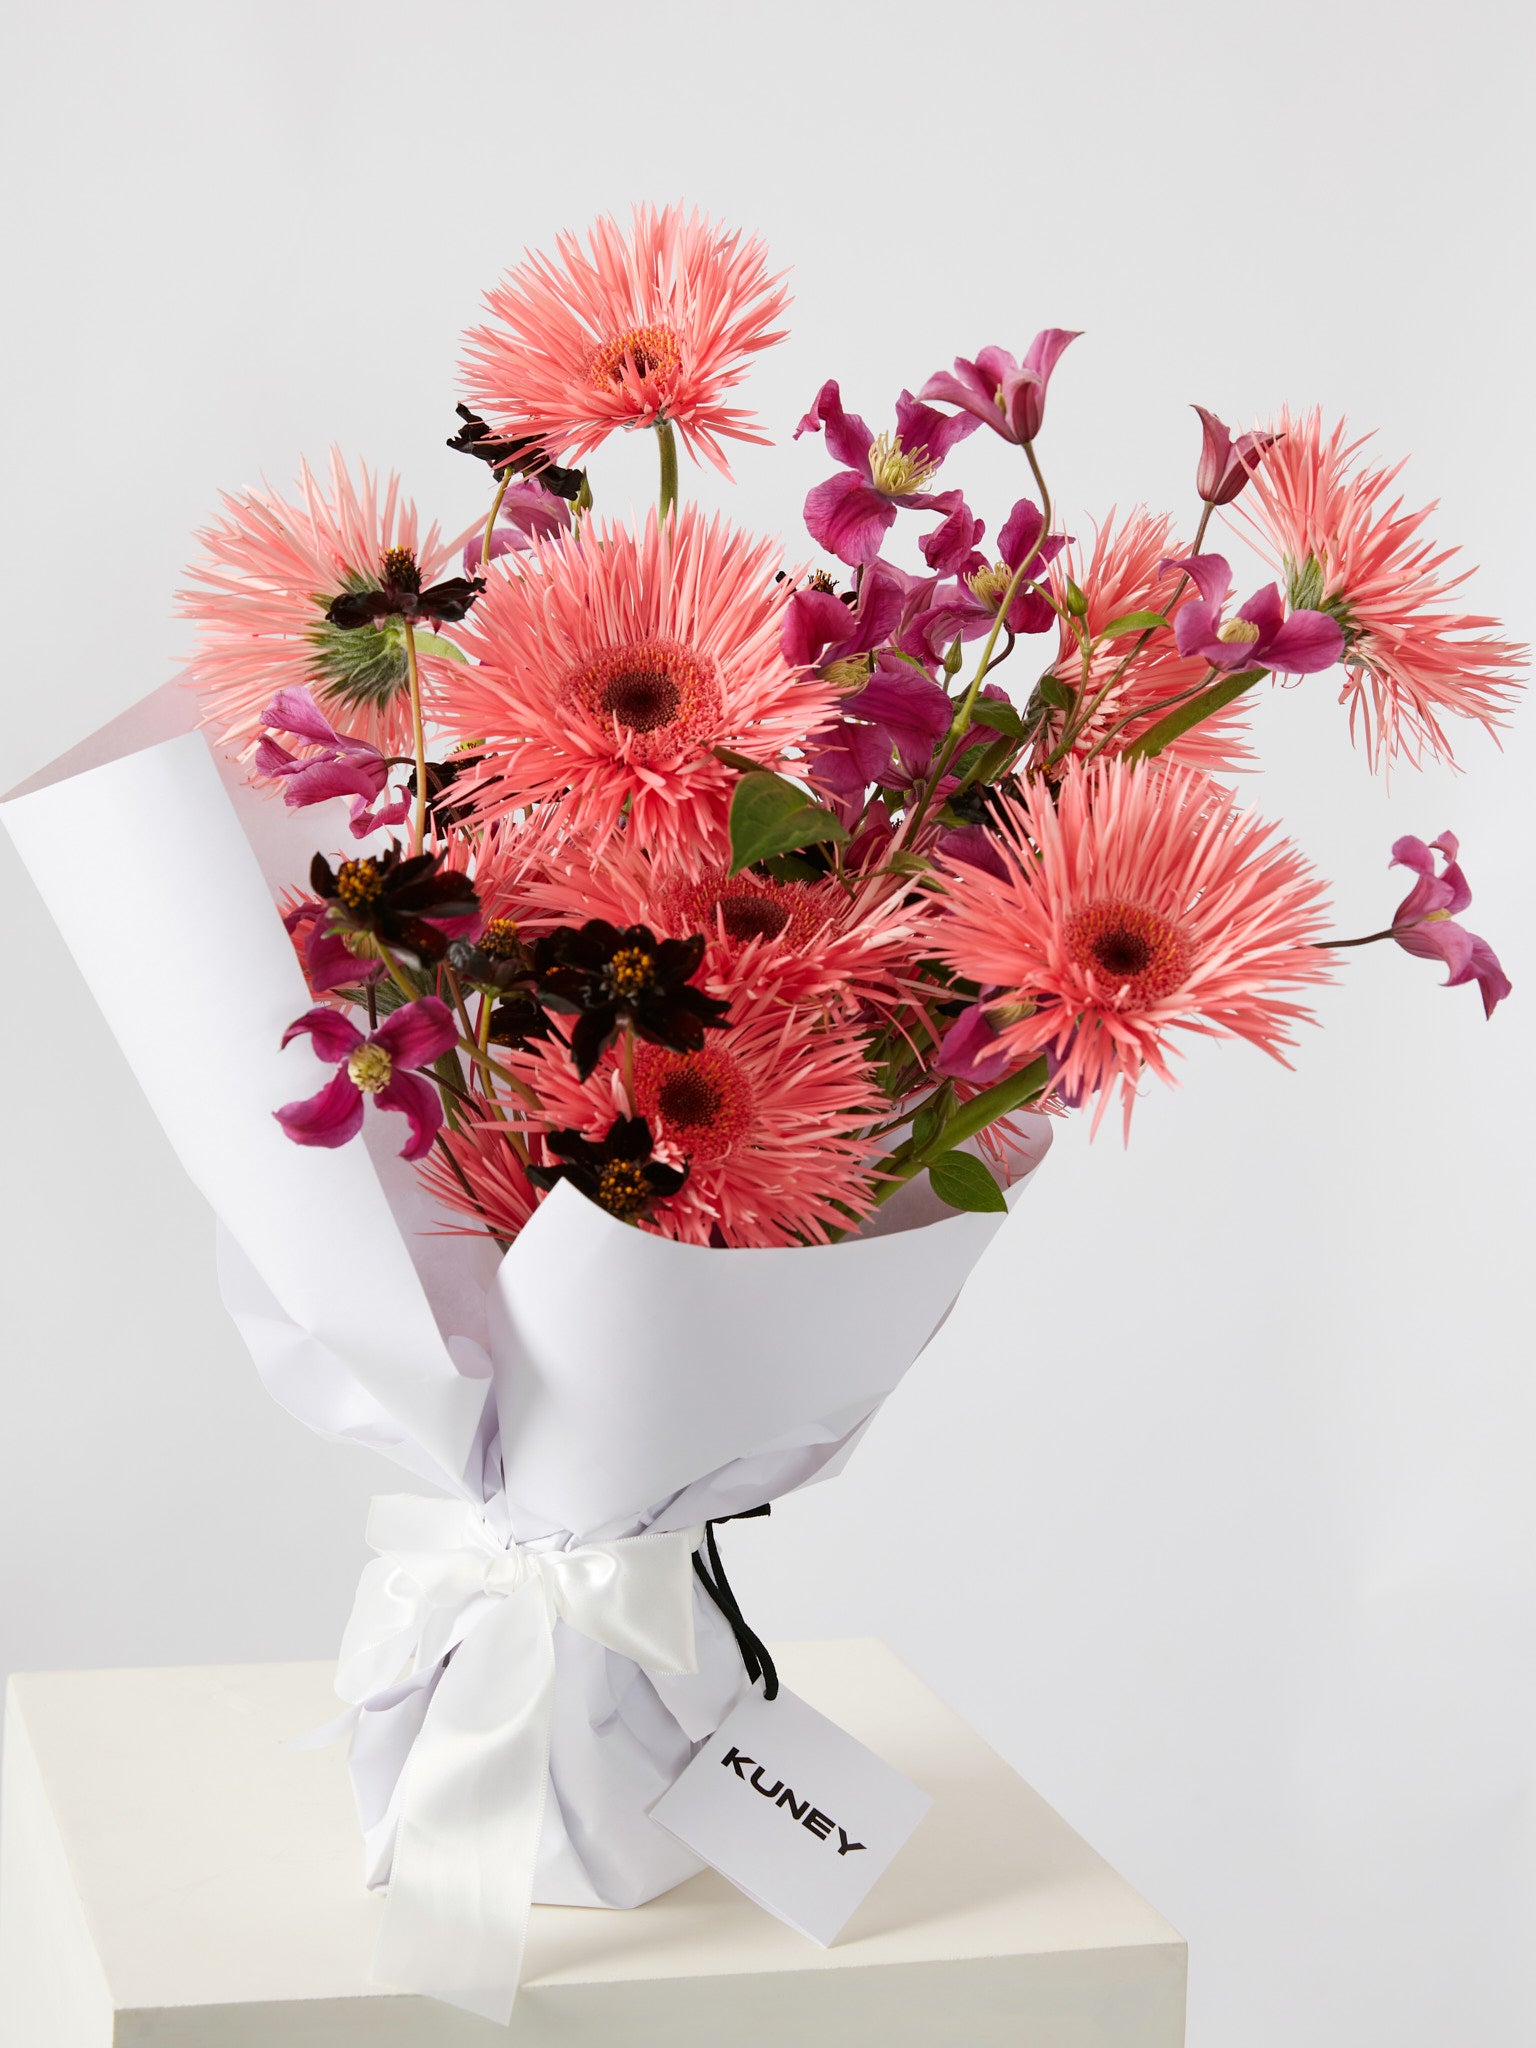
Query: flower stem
{"type": "Point", "coordinates": [419, 737]}
{"type": "Point", "coordinates": [667, 444]}
{"type": "Point", "coordinates": [1338, 945]}
{"type": "Point", "coordinates": [490, 524]}
{"type": "Point", "coordinates": [962, 718]}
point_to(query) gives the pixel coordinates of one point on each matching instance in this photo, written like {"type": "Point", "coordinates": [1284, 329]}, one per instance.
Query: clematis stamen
{"type": "Point", "coordinates": [895, 471]}
{"type": "Point", "coordinates": [369, 1068]}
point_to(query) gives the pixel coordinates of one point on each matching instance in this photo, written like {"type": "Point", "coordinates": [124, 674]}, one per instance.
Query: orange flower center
{"type": "Point", "coordinates": [649, 353]}
{"type": "Point", "coordinates": [700, 1100]}
{"type": "Point", "coordinates": [359, 883]}
{"type": "Point", "coordinates": [622, 1188]}
{"type": "Point", "coordinates": [649, 687]}
{"type": "Point", "coordinates": [1142, 955]}
{"type": "Point", "coordinates": [499, 940]}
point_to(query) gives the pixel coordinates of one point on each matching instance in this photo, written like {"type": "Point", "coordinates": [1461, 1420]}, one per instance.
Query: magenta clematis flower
{"type": "Point", "coordinates": [343, 767]}
{"type": "Point", "coordinates": [527, 513]}
{"type": "Point", "coordinates": [1006, 396]}
{"type": "Point", "coordinates": [821, 630]}
{"type": "Point", "coordinates": [1424, 922]}
{"type": "Point", "coordinates": [976, 846]}
{"type": "Point", "coordinates": [851, 512]}
{"type": "Point", "coordinates": [1225, 464]}
{"type": "Point", "coordinates": [969, 605]}
{"type": "Point", "coordinates": [327, 960]}
{"type": "Point", "coordinates": [1260, 635]}
{"type": "Point", "coordinates": [893, 726]}
{"type": "Point", "coordinates": [970, 1049]}
{"type": "Point", "coordinates": [380, 1065]}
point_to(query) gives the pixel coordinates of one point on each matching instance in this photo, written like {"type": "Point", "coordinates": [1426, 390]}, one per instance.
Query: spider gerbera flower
{"type": "Point", "coordinates": [769, 1117]}
{"type": "Point", "coordinates": [656, 325]}
{"type": "Point", "coordinates": [1142, 902]}
{"type": "Point", "coordinates": [610, 668]}
{"type": "Point", "coordinates": [1347, 547]}
{"type": "Point", "coordinates": [272, 569]}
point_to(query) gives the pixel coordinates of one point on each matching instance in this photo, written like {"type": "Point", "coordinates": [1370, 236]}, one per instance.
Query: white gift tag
{"type": "Point", "coordinates": [793, 1811]}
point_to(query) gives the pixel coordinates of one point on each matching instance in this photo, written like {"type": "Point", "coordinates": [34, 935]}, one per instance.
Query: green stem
{"type": "Point", "coordinates": [418, 737]}
{"type": "Point", "coordinates": [666, 442]}
{"type": "Point", "coordinates": [1004, 1096]}
{"type": "Point", "coordinates": [962, 718]}
{"type": "Point", "coordinates": [1338, 945]}
{"type": "Point", "coordinates": [490, 524]}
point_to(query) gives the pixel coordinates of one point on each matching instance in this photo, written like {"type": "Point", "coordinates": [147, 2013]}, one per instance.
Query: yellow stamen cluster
{"type": "Point", "coordinates": [622, 1188]}
{"type": "Point", "coordinates": [359, 883]}
{"type": "Point", "coordinates": [631, 970]}
{"type": "Point", "coordinates": [499, 940]}
{"type": "Point", "coordinates": [851, 673]}
{"type": "Point", "coordinates": [820, 580]}
{"type": "Point", "coordinates": [896, 471]}
{"type": "Point", "coordinates": [397, 561]}
{"type": "Point", "coordinates": [988, 585]}
{"type": "Point", "coordinates": [370, 1068]}
{"type": "Point", "coordinates": [1238, 632]}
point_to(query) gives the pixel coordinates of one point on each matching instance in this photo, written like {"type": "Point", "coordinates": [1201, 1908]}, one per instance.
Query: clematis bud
{"type": "Point", "coordinates": [1225, 464]}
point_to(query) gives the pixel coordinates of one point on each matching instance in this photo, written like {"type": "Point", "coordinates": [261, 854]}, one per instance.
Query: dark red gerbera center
{"type": "Point", "coordinates": [654, 692]}
{"type": "Point", "coordinates": [701, 1101]}
{"type": "Point", "coordinates": [1136, 956]}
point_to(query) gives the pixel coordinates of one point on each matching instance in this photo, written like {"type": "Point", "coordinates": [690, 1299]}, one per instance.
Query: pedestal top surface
{"type": "Point", "coordinates": [216, 1866]}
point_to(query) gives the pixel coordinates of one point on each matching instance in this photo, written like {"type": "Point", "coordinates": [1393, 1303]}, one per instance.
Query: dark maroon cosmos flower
{"type": "Point", "coordinates": [409, 906]}
{"type": "Point", "coordinates": [400, 596]}
{"type": "Point", "coordinates": [606, 977]}
{"type": "Point", "coordinates": [617, 1172]}
{"type": "Point", "coordinates": [523, 453]}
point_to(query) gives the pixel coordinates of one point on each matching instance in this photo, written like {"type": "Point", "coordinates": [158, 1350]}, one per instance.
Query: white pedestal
{"type": "Point", "coordinates": [172, 1877]}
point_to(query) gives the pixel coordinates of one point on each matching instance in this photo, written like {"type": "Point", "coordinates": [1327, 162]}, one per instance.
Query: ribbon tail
{"type": "Point", "coordinates": [471, 1811]}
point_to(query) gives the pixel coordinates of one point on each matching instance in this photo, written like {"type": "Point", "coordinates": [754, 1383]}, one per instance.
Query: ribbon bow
{"type": "Point", "coordinates": [472, 1796]}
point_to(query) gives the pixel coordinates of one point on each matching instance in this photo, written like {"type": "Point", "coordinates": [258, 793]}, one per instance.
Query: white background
{"type": "Point", "coordinates": [1213, 1506]}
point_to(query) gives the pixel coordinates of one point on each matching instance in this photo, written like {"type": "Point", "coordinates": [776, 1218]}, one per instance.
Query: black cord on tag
{"type": "Point", "coordinates": [754, 1651]}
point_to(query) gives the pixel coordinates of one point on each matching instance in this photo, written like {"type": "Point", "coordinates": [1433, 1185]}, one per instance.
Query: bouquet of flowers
{"type": "Point", "coordinates": [680, 956]}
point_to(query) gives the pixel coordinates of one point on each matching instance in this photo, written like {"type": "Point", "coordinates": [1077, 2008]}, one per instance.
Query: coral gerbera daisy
{"type": "Point", "coordinates": [807, 941]}
{"type": "Point", "coordinates": [654, 326]}
{"type": "Point", "coordinates": [270, 571]}
{"type": "Point", "coordinates": [1121, 574]}
{"type": "Point", "coordinates": [611, 667]}
{"type": "Point", "coordinates": [1143, 901]}
{"type": "Point", "coordinates": [475, 1171]}
{"type": "Point", "coordinates": [1325, 520]}
{"type": "Point", "coordinates": [770, 1116]}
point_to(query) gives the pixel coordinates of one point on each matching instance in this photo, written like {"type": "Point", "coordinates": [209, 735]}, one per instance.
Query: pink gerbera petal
{"type": "Point", "coordinates": [1141, 903]}
{"type": "Point", "coordinates": [611, 668]}
{"type": "Point", "coordinates": [660, 323]}
{"type": "Point", "coordinates": [1327, 521]}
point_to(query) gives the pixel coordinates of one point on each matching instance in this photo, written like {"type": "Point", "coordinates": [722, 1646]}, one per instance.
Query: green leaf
{"type": "Point", "coordinates": [1055, 692]}
{"type": "Point", "coordinates": [770, 815]}
{"type": "Point", "coordinates": [1131, 622]}
{"type": "Point", "coordinates": [961, 1180]}
{"type": "Point", "coordinates": [1183, 716]}
{"type": "Point", "coordinates": [434, 643]}
{"type": "Point", "coordinates": [998, 716]}
{"type": "Point", "coordinates": [929, 1120]}
{"type": "Point", "coordinates": [1004, 1096]}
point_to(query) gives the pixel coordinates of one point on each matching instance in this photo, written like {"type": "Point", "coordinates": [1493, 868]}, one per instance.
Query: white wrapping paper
{"type": "Point", "coordinates": [594, 1384]}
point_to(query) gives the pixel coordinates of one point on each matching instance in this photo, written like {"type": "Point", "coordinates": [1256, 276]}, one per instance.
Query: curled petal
{"type": "Point", "coordinates": [948, 548]}
{"type": "Point", "coordinates": [329, 1118]}
{"type": "Point", "coordinates": [814, 622]}
{"type": "Point", "coordinates": [919, 426]}
{"type": "Point", "coordinates": [418, 1102]}
{"type": "Point", "coordinates": [970, 1051]}
{"type": "Point", "coordinates": [1307, 643]}
{"type": "Point", "coordinates": [849, 517]}
{"type": "Point", "coordinates": [418, 1033]}
{"type": "Point", "coordinates": [333, 1035]}
{"type": "Point", "coordinates": [295, 711]}
{"type": "Point", "coordinates": [849, 440]}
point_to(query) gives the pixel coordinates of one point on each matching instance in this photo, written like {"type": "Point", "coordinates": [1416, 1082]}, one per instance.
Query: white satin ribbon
{"type": "Point", "coordinates": [472, 1798]}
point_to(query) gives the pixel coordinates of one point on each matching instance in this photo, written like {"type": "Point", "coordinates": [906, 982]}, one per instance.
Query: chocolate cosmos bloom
{"type": "Point", "coordinates": [402, 904]}
{"type": "Point", "coordinates": [605, 977]}
{"type": "Point", "coordinates": [618, 1173]}
{"type": "Point", "coordinates": [401, 596]}
{"type": "Point", "coordinates": [500, 966]}
{"type": "Point", "coordinates": [523, 453]}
